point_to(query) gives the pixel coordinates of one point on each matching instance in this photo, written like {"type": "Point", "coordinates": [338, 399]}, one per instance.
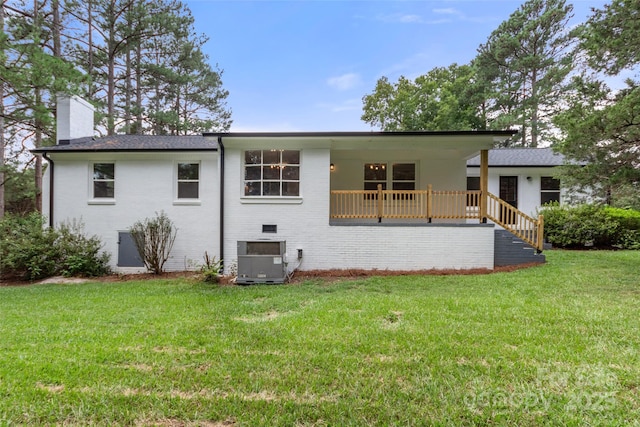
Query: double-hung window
{"type": "Point", "coordinates": [104, 180]}
{"type": "Point", "coordinates": [404, 176]}
{"type": "Point", "coordinates": [375, 174]}
{"type": "Point", "coordinates": [272, 173]}
{"type": "Point", "coordinates": [401, 178]}
{"type": "Point", "coordinates": [188, 180]}
{"type": "Point", "coordinates": [549, 190]}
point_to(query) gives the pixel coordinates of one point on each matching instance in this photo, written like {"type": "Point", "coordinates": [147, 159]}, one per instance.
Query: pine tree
{"type": "Point", "coordinates": [33, 76]}
{"type": "Point", "coordinates": [600, 126]}
{"type": "Point", "coordinates": [524, 63]}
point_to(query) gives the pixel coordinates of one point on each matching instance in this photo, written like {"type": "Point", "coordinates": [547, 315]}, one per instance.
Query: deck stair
{"type": "Point", "coordinates": [511, 250]}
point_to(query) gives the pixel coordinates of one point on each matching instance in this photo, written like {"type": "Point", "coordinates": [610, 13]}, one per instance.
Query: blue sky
{"type": "Point", "coordinates": [305, 65]}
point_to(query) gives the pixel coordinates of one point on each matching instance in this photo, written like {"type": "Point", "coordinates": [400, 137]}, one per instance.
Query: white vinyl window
{"type": "Point", "coordinates": [375, 174]}
{"type": "Point", "coordinates": [402, 177]}
{"type": "Point", "coordinates": [549, 190]}
{"type": "Point", "coordinates": [188, 180]}
{"type": "Point", "coordinates": [104, 180]}
{"type": "Point", "coordinates": [272, 173]}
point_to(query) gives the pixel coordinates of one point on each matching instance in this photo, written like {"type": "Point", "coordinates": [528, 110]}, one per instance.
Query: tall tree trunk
{"type": "Point", "coordinates": [138, 89]}
{"type": "Point", "coordinates": [1, 123]}
{"type": "Point", "coordinates": [37, 124]}
{"type": "Point", "coordinates": [90, 47]}
{"type": "Point", "coordinates": [534, 109]}
{"type": "Point", "coordinates": [128, 94]}
{"type": "Point", "coordinates": [111, 70]}
{"type": "Point", "coordinates": [55, 10]}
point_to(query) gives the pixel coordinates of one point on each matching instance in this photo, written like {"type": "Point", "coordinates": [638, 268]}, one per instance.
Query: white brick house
{"type": "Point", "coordinates": [525, 177]}
{"type": "Point", "coordinates": [340, 200]}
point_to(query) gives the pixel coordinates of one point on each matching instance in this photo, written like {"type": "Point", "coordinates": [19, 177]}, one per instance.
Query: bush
{"type": "Point", "coordinates": [80, 255]}
{"type": "Point", "coordinates": [211, 269]}
{"type": "Point", "coordinates": [31, 250]}
{"type": "Point", "coordinates": [629, 221]}
{"type": "Point", "coordinates": [591, 226]}
{"type": "Point", "coordinates": [154, 239]}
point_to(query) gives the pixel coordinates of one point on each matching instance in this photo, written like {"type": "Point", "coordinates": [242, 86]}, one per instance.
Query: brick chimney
{"type": "Point", "coordinates": [74, 119]}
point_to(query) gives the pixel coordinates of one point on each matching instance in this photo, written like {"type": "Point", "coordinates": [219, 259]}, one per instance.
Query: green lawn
{"type": "Point", "coordinates": [557, 344]}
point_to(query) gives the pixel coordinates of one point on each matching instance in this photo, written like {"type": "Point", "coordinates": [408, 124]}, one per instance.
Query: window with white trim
{"type": "Point", "coordinates": [104, 180]}
{"type": "Point", "coordinates": [272, 173]}
{"type": "Point", "coordinates": [402, 177]}
{"type": "Point", "coordinates": [188, 180]}
{"type": "Point", "coordinates": [549, 190]}
{"type": "Point", "coordinates": [374, 174]}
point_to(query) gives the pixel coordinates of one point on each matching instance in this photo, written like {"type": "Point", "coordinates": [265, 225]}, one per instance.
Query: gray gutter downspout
{"type": "Point", "coordinates": [221, 202]}
{"type": "Point", "coordinates": [51, 166]}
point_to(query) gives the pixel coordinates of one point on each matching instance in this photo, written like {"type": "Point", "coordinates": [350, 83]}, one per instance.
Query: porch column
{"type": "Point", "coordinates": [484, 184]}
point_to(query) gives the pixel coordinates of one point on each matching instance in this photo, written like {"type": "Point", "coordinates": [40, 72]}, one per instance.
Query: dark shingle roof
{"type": "Point", "coordinates": [134, 143]}
{"type": "Point", "coordinates": [520, 157]}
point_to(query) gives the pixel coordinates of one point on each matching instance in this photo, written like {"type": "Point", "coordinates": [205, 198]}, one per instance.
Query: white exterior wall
{"type": "Point", "coordinates": [145, 183]}
{"type": "Point", "coordinates": [528, 189]}
{"type": "Point", "coordinates": [304, 223]}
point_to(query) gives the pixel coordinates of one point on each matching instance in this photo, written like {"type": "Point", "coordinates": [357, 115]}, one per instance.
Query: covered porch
{"type": "Point", "coordinates": [393, 185]}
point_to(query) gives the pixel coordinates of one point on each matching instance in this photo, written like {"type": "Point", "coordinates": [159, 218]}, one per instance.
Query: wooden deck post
{"type": "Point", "coordinates": [540, 233]}
{"type": "Point", "coordinates": [484, 184]}
{"type": "Point", "coordinates": [380, 202]}
{"type": "Point", "coordinates": [429, 202]}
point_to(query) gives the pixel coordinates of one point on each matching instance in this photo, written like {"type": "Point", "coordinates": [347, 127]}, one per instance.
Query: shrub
{"type": "Point", "coordinates": [591, 225]}
{"type": "Point", "coordinates": [79, 254]}
{"type": "Point", "coordinates": [27, 248]}
{"type": "Point", "coordinates": [629, 220]}
{"type": "Point", "coordinates": [31, 250]}
{"type": "Point", "coordinates": [154, 239]}
{"type": "Point", "coordinates": [211, 269]}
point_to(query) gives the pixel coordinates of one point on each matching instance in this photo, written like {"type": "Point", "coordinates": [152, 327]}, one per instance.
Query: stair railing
{"type": "Point", "coordinates": [521, 225]}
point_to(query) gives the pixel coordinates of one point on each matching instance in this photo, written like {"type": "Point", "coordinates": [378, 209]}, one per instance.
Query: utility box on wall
{"type": "Point", "coordinates": [261, 261]}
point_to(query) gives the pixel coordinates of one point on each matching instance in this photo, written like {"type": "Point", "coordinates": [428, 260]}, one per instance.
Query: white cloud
{"type": "Point", "coordinates": [446, 11]}
{"type": "Point", "coordinates": [400, 18]}
{"type": "Point", "coordinates": [407, 19]}
{"type": "Point", "coordinates": [345, 81]}
{"type": "Point", "coordinates": [412, 66]}
{"type": "Point", "coordinates": [354, 104]}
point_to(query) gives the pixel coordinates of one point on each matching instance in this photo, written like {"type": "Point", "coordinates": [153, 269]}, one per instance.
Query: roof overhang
{"type": "Point", "coordinates": [466, 142]}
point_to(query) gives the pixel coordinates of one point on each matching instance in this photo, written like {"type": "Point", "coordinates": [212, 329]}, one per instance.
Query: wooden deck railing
{"type": "Point", "coordinates": [529, 229]}
{"type": "Point", "coordinates": [431, 204]}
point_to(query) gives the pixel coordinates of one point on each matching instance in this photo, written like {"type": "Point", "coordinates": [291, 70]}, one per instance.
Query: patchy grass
{"type": "Point", "coordinates": [551, 345]}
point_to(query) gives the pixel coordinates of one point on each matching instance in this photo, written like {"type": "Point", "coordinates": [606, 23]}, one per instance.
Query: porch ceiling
{"type": "Point", "coordinates": [465, 143]}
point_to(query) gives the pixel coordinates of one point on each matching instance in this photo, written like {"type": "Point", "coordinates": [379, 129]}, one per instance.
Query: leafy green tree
{"type": "Point", "coordinates": [3, 39]}
{"type": "Point", "coordinates": [524, 64]}
{"type": "Point", "coordinates": [19, 189]}
{"type": "Point", "coordinates": [610, 36]}
{"type": "Point", "coordinates": [601, 126]}
{"type": "Point", "coordinates": [32, 74]}
{"type": "Point", "coordinates": [601, 134]}
{"type": "Point", "coordinates": [442, 99]}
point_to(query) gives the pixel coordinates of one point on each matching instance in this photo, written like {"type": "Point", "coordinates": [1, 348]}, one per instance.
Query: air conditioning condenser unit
{"type": "Point", "coordinates": [261, 261]}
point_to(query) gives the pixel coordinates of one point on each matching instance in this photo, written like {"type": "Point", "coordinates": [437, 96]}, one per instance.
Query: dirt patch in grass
{"type": "Point", "coordinates": [110, 278]}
